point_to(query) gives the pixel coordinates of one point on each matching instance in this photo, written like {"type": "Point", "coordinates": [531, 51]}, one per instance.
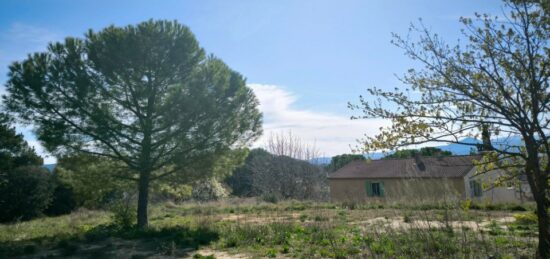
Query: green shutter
{"type": "Point", "coordinates": [382, 189]}
{"type": "Point", "coordinates": [368, 187]}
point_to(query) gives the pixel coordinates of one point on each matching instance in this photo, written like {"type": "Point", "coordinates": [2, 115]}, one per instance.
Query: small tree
{"type": "Point", "coordinates": [425, 151]}
{"type": "Point", "coordinates": [283, 170]}
{"type": "Point", "coordinates": [241, 180]}
{"type": "Point", "coordinates": [14, 150]}
{"type": "Point", "coordinates": [143, 95]}
{"type": "Point", "coordinates": [25, 192]}
{"type": "Point", "coordinates": [25, 187]}
{"type": "Point", "coordinates": [288, 178]}
{"type": "Point", "coordinates": [497, 84]}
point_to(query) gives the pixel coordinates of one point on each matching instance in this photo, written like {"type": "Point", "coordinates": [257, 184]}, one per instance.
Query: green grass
{"type": "Point", "coordinates": [284, 229]}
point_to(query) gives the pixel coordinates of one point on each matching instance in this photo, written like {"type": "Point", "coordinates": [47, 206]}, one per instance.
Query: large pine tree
{"type": "Point", "coordinates": [144, 95]}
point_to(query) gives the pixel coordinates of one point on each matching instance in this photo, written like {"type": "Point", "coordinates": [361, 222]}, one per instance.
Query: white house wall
{"type": "Point", "coordinates": [502, 194]}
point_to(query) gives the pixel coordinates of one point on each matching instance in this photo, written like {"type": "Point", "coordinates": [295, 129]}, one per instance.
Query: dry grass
{"type": "Point", "coordinates": [240, 228]}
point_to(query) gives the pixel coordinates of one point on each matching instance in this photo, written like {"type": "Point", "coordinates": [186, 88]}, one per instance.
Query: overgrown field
{"type": "Point", "coordinates": [249, 228]}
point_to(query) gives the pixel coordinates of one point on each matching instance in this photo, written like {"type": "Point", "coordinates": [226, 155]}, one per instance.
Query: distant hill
{"type": "Point", "coordinates": [456, 149]}
{"type": "Point", "coordinates": [459, 149]}
{"type": "Point", "coordinates": [50, 167]}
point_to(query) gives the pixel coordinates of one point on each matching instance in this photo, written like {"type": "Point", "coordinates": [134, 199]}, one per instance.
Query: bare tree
{"type": "Point", "coordinates": [287, 144]}
{"type": "Point", "coordinates": [496, 84]}
{"type": "Point", "coordinates": [285, 171]}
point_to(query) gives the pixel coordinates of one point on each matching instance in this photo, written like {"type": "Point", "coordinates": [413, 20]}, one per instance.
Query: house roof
{"type": "Point", "coordinates": [427, 167]}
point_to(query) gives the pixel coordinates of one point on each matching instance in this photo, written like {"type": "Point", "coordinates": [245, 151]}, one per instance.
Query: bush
{"type": "Point", "coordinates": [124, 212]}
{"type": "Point", "coordinates": [208, 190]}
{"type": "Point", "coordinates": [63, 201]}
{"type": "Point", "coordinates": [270, 197]}
{"type": "Point", "coordinates": [173, 192]}
{"type": "Point", "coordinates": [526, 218]}
{"type": "Point", "coordinates": [25, 193]}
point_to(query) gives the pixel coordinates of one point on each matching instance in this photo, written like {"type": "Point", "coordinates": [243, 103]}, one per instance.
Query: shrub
{"type": "Point", "coordinates": [517, 208]}
{"type": "Point", "coordinates": [208, 190]}
{"type": "Point", "coordinates": [25, 193]}
{"type": "Point", "coordinates": [63, 201]}
{"type": "Point", "coordinates": [124, 212]}
{"type": "Point", "coordinates": [270, 197]}
{"type": "Point", "coordinates": [407, 218]}
{"type": "Point", "coordinates": [175, 193]}
{"type": "Point", "coordinates": [526, 218]}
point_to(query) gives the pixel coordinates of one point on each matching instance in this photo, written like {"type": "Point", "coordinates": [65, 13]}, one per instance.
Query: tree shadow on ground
{"type": "Point", "coordinates": [107, 241]}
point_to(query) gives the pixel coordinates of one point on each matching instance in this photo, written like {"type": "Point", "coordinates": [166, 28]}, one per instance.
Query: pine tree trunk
{"type": "Point", "coordinates": [143, 200]}
{"type": "Point", "coordinates": [544, 229]}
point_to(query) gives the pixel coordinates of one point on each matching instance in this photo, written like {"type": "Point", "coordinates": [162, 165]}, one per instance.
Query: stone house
{"type": "Point", "coordinates": [421, 179]}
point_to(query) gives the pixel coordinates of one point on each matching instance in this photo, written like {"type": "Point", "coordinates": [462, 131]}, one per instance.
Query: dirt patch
{"type": "Point", "coordinates": [218, 254]}
{"type": "Point", "coordinates": [260, 219]}
{"type": "Point", "coordinates": [399, 223]}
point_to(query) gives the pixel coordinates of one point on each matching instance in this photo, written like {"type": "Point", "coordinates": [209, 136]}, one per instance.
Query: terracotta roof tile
{"type": "Point", "coordinates": [433, 167]}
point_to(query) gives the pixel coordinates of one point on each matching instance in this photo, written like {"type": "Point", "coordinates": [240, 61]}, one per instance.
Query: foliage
{"type": "Point", "coordinates": [208, 190]}
{"type": "Point", "coordinates": [63, 201]}
{"type": "Point", "coordinates": [14, 150]}
{"type": "Point", "coordinates": [526, 218]}
{"type": "Point", "coordinates": [339, 161]}
{"type": "Point", "coordinates": [219, 166]}
{"type": "Point", "coordinates": [496, 84]}
{"type": "Point", "coordinates": [145, 96]}
{"type": "Point", "coordinates": [93, 180]}
{"type": "Point", "coordinates": [25, 192]}
{"type": "Point", "coordinates": [278, 177]}
{"type": "Point", "coordinates": [289, 178]}
{"type": "Point", "coordinates": [124, 212]}
{"type": "Point", "coordinates": [425, 151]}
{"type": "Point", "coordinates": [241, 180]}
{"type": "Point", "coordinates": [174, 192]}
{"type": "Point", "coordinates": [270, 197]}
{"type": "Point", "coordinates": [25, 188]}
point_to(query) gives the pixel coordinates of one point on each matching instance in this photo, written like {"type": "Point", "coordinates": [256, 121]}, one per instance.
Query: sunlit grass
{"type": "Point", "coordinates": [285, 229]}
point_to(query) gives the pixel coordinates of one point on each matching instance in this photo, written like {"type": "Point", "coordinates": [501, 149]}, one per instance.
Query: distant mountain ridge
{"type": "Point", "coordinates": [49, 167]}
{"type": "Point", "coordinates": [456, 149]}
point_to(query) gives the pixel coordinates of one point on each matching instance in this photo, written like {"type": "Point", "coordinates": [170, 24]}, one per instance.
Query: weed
{"type": "Point", "coordinates": [272, 253]}
{"type": "Point", "coordinates": [271, 198]}
{"type": "Point", "coordinates": [526, 218]}
{"type": "Point", "coordinates": [124, 213]}
{"type": "Point", "coordinates": [331, 231]}
{"type": "Point", "coordinates": [320, 218]}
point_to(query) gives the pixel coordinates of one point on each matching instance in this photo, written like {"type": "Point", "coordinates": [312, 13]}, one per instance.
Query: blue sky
{"type": "Point", "coordinates": [305, 59]}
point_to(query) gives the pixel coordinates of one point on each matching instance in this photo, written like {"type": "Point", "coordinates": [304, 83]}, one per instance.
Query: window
{"type": "Point", "coordinates": [374, 189]}
{"type": "Point", "coordinates": [475, 189]}
{"type": "Point", "coordinates": [510, 185]}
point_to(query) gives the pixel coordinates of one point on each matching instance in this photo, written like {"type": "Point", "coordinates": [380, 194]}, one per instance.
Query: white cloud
{"type": "Point", "coordinates": [333, 134]}
{"type": "Point", "coordinates": [29, 136]}
{"type": "Point", "coordinates": [31, 35]}
{"type": "Point", "coordinates": [21, 39]}
{"type": "Point", "coordinates": [48, 159]}
{"type": "Point", "coordinates": [16, 42]}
